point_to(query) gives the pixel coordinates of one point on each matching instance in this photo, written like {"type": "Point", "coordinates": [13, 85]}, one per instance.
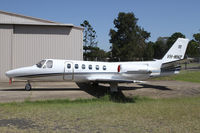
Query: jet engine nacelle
{"type": "Point", "coordinates": [134, 68]}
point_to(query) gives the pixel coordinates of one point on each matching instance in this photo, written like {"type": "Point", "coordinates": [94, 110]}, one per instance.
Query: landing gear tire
{"type": "Point", "coordinates": [28, 87]}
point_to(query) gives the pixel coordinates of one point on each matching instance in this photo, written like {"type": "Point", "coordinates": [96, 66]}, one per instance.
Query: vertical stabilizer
{"type": "Point", "coordinates": [177, 51]}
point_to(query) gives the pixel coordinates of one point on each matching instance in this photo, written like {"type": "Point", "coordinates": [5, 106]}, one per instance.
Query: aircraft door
{"type": "Point", "coordinates": [68, 71]}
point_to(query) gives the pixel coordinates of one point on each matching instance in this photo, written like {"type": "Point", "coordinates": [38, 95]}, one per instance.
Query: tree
{"type": "Point", "coordinates": [89, 34]}
{"type": "Point", "coordinates": [197, 37]}
{"type": "Point", "coordinates": [96, 54]}
{"type": "Point", "coordinates": [128, 39]}
{"type": "Point", "coordinates": [193, 49]}
{"type": "Point", "coordinates": [89, 41]}
{"type": "Point", "coordinates": [160, 47]}
{"type": "Point", "coordinates": [149, 51]}
{"type": "Point", "coordinates": [91, 50]}
{"type": "Point", "coordinates": [171, 40]}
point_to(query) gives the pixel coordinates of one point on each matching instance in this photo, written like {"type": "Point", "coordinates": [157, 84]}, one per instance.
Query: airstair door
{"type": "Point", "coordinates": [68, 71]}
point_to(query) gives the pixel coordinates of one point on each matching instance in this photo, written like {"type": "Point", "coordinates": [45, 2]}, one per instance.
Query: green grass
{"type": "Point", "coordinates": [191, 65]}
{"type": "Point", "coordinates": [188, 76]}
{"type": "Point", "coordinates": [106, 114]}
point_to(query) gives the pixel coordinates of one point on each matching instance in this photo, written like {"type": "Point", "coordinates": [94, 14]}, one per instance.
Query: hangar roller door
{"type": "Point", "coordinates": [34, 43]}
{"type": "Point", "coordinates": [5, 50]}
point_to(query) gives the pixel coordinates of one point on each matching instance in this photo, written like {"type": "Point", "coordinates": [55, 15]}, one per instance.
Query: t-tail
{"type": "Point", "coordinates": [177, 51]}
{"type": "Point", "coordinates": [171, 60]}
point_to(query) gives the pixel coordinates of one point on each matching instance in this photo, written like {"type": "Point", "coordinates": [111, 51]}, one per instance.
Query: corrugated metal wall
{"type": "Point", "coordinates": [5, 49]}
{"type": "Point", "coordinates": [34, 43]}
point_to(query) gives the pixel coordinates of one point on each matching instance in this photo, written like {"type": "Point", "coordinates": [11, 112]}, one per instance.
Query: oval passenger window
{"type": "Point", "coordinates": [68, 66]}
{"type": "Point", "coordinates": [83, 66]}
{"type": "Point", "coordinates": [76, 66]}
{"type": "Point", "coordinates": [90, 67]}
{"type": "Point", "coordinates": [104, 67]}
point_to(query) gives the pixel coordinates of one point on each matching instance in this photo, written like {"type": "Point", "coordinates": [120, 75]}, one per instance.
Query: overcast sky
{"type": "Point", "coordinates": [159, 17]}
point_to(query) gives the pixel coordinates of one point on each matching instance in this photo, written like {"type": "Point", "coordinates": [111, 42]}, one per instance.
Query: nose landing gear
{"type": "Point", "coordinates": [28, 86]}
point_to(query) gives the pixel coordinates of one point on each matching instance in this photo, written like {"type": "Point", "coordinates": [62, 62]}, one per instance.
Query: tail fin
{"type": "Point", "coordinates": [177, 51]}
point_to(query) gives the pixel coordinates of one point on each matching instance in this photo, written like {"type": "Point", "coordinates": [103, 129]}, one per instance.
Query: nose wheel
{"type": "Point", "coordinates": [28, 86]}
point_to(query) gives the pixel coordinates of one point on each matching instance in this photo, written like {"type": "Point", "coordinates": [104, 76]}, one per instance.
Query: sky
{"type": "Point", "coordinates": [159, 17]}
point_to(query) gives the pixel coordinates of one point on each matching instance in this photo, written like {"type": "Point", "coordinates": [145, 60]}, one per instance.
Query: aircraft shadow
{"type": "Point", "coordinates": [101, 91]}
{"type": "Point", "coordinates": [158, 87]}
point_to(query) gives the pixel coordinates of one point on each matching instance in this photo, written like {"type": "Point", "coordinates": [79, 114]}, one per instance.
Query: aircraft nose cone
{"type": "Point", "coordinates": [9, 74]}
{"type": "Point", "coordinates": [12, 73]}
{"type": "Point", "coordinates": [18, 72]}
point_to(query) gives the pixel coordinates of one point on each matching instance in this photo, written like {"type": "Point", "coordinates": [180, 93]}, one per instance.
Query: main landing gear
{"type": "Point", "coordinates": [113, 87]}
{"type": "Point", "coordinates": [28, 86]}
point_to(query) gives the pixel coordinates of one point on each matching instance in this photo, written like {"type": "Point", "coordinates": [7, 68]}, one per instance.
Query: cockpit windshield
{"type": "Point", "coordinates": [40, 64]}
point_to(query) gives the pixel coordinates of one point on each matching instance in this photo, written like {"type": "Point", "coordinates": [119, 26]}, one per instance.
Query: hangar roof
{"type": "Point", "coordinates": [12, 18]}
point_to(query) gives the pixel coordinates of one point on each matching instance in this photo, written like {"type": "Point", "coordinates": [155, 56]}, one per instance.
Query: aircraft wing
{"type": "Point", "coordinates": [109, 80]}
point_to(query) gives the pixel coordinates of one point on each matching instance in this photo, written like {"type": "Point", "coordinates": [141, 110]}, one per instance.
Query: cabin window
{"type": "Point", "coordinates": [68, 66]}
{"type": "Point", "coordinates": [90, 67]}
{"type": "Point", "coordinates": [76, 66]}
{"type": "Point", "coordinates": [97, 67]}
{"type": "Point", "coordinates": [49, 64]}
{"type": "Point", "coordinates": [83, 66]}
{"type": "Point", "coordinates": [104, 67]}
{"type": "Point", "coordinates": [40, 64]}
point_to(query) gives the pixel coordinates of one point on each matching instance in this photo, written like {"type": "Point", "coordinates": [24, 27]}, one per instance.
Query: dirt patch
{"type": "Point", "coordinates": [19, 123]}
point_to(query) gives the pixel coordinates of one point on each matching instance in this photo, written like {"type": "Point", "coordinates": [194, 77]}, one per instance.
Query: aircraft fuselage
{"type": "Point", "coordinates": [83, 71]}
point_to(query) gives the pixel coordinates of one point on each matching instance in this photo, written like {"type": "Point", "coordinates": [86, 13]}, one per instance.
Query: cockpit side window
{"type": "Point", "coordinates": [49, 64]}
{"type": "Point", "coordinates": [41, 63]}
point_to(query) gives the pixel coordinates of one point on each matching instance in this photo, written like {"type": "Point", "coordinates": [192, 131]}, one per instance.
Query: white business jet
{"type": "Point", "coordinates": [102, 72]}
